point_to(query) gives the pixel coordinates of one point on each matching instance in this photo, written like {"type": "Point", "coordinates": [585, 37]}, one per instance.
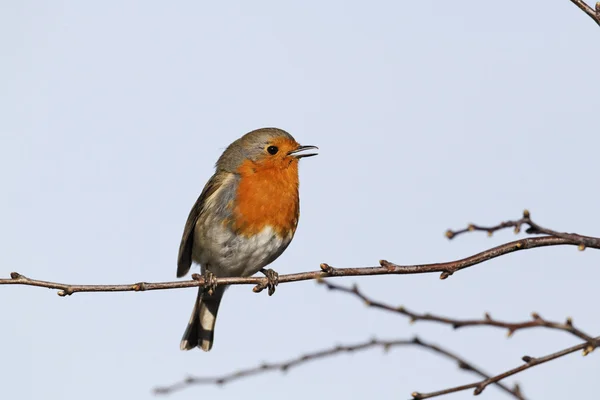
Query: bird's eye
{"type": "Point", "coordinates": [272, 150]}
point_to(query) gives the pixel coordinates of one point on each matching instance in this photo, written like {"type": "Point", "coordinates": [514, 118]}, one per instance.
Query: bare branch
{"type": "Point", "coordinates": [385, 268]}
{"type": "Point", "coordinates": [594, 14]}
{"type": "Point", "coordinates": [536, 322]}
{"type": "Point", "coordinates": [550, 238]}
{"type": "Point", "coordinates": [386, 345]}
{"type": "Point", "coordinates": [584, 241]}
{"type": "Point", "coordinates": [529, 362]}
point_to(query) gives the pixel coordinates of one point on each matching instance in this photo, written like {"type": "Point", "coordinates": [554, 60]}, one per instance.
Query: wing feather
{"type": "Point", "coordinates": [184, 260]}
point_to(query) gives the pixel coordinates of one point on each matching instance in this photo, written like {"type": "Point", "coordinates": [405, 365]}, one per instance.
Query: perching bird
{"type": "Point", "coordinates": [245, 217]}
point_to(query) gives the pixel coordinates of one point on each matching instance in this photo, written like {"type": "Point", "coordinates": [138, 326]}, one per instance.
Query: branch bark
{"type": "Point", "coordinates": [481, 385]}
{"type": "Point", "coordinates": [386, 345]}
{"type": "Point", "coordinates": [594, 14]}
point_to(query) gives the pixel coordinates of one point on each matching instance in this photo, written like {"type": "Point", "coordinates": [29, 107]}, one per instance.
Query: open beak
{"type": "Point", "coordinates": [303, 148]}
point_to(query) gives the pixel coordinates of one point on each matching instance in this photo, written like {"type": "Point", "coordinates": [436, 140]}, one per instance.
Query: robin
{"type": "Point", "coordinates": [245, 217]}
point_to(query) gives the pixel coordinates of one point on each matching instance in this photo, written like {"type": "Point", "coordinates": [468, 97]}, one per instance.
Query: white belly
{"type": "Point", "coordinates": [226, 254]}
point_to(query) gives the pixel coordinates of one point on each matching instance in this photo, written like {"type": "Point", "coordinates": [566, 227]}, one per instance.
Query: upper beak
{"type": "Point", "coordinates": [302, 148]}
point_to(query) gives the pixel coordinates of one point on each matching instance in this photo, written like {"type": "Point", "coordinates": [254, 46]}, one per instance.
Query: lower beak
{"type": "Point", "coordinates": [303, 148]}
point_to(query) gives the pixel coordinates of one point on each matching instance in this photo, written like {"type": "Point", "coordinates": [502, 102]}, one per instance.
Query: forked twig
{"type": "Point", "coordinates": [481, 385]}
{"type": "Point", "coordinates": [386, 345]}
{"type": "Point", "coordinates": [534, 229]}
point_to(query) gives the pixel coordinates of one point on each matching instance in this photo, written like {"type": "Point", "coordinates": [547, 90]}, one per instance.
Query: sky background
{"type": "Point", "coordinates": [429, 115]}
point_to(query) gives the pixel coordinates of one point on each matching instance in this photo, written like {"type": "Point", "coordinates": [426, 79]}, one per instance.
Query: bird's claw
{"type": "Point", "coordinates": [272, 280]}
{"type": "Point", "coordinates": [210, 281]}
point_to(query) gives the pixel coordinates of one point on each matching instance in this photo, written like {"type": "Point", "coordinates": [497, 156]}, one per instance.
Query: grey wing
{"type": "Point", "coordinates": [184, 260]}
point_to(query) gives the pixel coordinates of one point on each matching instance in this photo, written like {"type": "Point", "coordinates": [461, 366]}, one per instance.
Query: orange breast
{"type": "Point", "coordinates": [267, 196]}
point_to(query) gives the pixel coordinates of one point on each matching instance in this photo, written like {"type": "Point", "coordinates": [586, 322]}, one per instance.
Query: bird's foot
{"type": "Point", "coordinates": [210, 281]}
{"type": "Point", "coordinates": [272, 281]}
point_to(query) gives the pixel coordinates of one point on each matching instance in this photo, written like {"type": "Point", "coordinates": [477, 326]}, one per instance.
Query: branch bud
{"type": "Point", "coordinates": [588, 350]}
{"type": "Point", "coordinates": [445, 274]}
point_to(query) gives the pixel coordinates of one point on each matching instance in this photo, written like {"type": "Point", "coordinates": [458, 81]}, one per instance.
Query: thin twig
{"type": "Point", "coordinates": [594, 14]}
{"type": "Point", "coordinates": [481, 385]}
{"type": "Point", "coordinates": [534, 228]}
{"type": "Point", "coordinates": [386, 345]}
{"type": "Point", "coordinates": [536, 322]}
{"type": "Point", "coordinates": [385, 268]}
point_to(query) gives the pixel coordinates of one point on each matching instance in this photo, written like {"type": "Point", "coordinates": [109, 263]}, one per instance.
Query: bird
{"type": "Point", "coordinates": [244, 219]}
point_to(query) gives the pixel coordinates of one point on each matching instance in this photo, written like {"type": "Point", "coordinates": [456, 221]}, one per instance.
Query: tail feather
{"type": "Point", "coordinates": [200, 331]}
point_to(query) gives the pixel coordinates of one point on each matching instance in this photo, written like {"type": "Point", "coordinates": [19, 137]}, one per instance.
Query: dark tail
{"type": "Point", "coordinates": [200, 331]}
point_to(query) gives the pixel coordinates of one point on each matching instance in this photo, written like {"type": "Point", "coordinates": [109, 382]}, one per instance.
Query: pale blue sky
{"type": "Point", "coordinates": [429, 115]}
